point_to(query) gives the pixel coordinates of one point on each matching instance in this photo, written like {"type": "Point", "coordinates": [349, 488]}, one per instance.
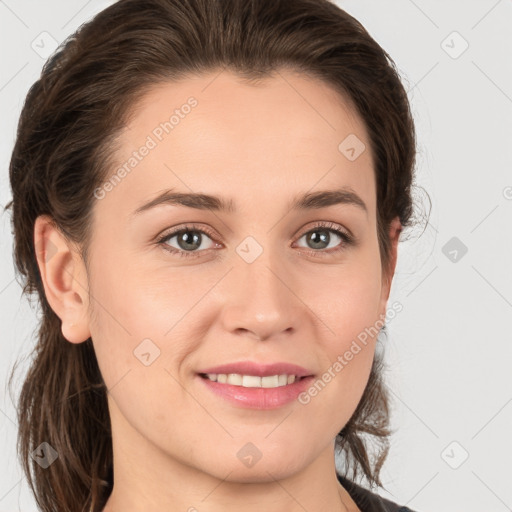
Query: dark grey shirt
{"type": "Point", "coordinates": [368, 501]}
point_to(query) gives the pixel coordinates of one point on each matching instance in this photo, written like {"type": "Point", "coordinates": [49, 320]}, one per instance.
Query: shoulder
{"type": "Point", "coordinates": [368, 501]}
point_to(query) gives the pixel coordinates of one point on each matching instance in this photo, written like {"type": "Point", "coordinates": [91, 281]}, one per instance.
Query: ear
{"type": "Point", "coordinates": [64, 279]}
{"type": "Point", "coordinates": [395, 229]}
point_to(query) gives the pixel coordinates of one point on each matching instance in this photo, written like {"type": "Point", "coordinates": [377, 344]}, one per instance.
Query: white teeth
{"type": "Point", "coordinates": [283, 380]}
{"type": "Point", "coordinates": [252, 381]}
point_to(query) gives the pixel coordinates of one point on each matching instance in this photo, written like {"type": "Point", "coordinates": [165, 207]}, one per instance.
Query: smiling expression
{"type": "Point", "coordinates": [242, 234]}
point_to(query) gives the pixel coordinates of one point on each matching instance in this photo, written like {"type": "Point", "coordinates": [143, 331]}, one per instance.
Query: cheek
{"type": "Point", "coordinates": [348, 305]}
{"type": "Point", "coordinates": [346, 298]}
{"type": "Point", "coordinates": [135, 300]}
{"type": "Point", "coordinates": [142, 316]}
{"type": "Point", "coordinates": [347, 354]}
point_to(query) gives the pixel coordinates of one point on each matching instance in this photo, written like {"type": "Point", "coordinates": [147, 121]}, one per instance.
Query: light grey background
{"type": "Point", "coordinates": [449, 351]}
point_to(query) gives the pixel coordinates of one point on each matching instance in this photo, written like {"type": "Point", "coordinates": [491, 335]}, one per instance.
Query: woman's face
{"type": "Point", "coordinates": [260, 281]}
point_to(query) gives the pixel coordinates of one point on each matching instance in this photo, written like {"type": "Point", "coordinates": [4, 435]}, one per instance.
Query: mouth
{"type": "Point", "coordinates": [253, 391]}
{"type": "Point", "coordinates": [254, 381]}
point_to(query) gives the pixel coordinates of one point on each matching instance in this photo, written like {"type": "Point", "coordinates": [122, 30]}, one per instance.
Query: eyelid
{"type": "Point", "coordinates": [334, 226]}
{"type": "Point", "coordinates": [166, 235]}
{"type": "Point", "coordinates": [187, 227]}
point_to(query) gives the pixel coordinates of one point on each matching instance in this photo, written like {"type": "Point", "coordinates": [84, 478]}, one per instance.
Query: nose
{"type": "Point", "coordinates": [260, 301]}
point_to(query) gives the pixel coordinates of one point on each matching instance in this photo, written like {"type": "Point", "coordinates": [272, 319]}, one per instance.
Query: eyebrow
{"type": "Point", "coordinates": [307, 201]}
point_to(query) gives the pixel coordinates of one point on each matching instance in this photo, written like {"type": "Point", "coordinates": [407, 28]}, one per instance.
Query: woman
{"type": "Point", "coordinates": [207, 198]}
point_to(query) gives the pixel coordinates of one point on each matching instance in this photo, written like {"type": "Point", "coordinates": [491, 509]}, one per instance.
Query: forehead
{"type": "Point", "coordinates": [215, 134]}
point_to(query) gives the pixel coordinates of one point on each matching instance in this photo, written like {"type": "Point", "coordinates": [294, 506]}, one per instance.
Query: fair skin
{"type": "Point", "coordinates": [175, 443]}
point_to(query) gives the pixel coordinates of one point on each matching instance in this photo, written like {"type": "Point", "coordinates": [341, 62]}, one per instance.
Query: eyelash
{"type": "Point", "coordinates": [348, 240]}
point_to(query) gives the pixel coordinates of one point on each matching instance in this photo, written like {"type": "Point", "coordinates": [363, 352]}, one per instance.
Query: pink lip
{"type": "Point", "coordinates": [258, 398]}
{"type": "Point", "coordinates": [258, 369]}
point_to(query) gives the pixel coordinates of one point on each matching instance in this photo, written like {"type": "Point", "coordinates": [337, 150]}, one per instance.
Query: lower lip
{"type": "Point", "coordinates": [258, 398]}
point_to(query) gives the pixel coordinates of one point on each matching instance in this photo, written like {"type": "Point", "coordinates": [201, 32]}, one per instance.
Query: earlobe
{"type": "Point", "coordinates": [64, 279]}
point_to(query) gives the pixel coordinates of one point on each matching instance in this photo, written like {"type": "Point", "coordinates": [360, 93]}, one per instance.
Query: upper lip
{"type": "Point", "coordinates": [259, 369]}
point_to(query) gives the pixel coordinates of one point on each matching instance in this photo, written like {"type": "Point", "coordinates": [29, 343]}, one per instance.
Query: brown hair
{"type": "Point", "coordinates": [65, 140]}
